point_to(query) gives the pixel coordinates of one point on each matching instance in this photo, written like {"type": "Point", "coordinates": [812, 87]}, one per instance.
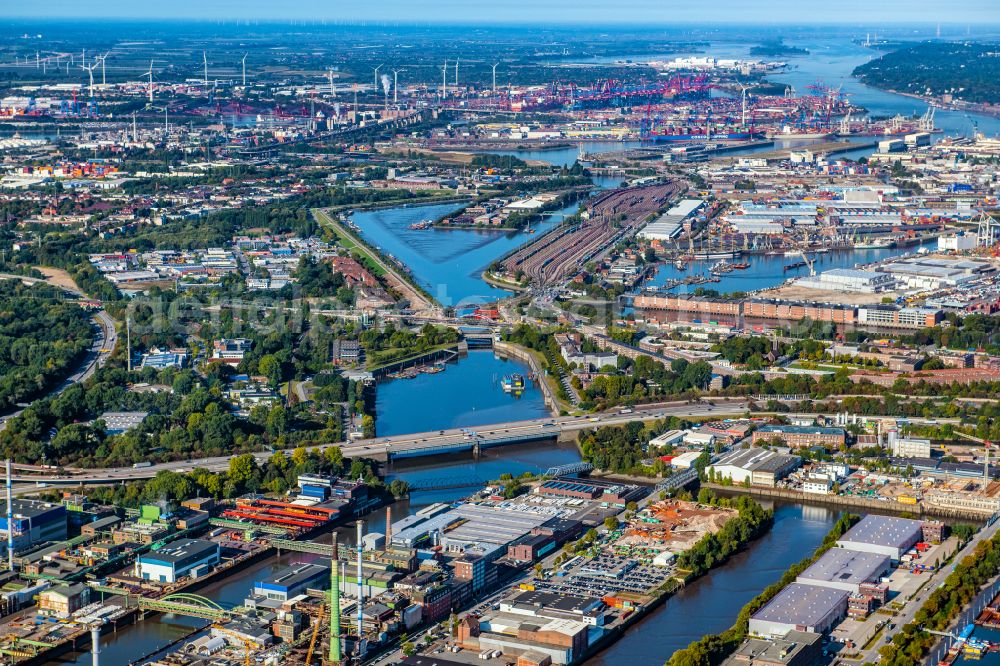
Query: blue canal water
{"type": "Point", "coordinates": [447, 262]}
{"type": "Point", "coordinates": [711, 603]}
{"type": "Point", "coordinates": [467, 393]}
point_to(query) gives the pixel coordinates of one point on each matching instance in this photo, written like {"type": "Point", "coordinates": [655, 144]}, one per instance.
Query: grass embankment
{"type": "Point", "coordinates": [713, 648]}
{"type": "Point", "coordinates": [385, 357]}
{"type": "Point", "coordinates": [372, 259]}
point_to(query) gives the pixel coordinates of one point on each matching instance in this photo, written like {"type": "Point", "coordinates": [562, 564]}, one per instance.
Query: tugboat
{"type": "Point", "coordinates": [513, 383]}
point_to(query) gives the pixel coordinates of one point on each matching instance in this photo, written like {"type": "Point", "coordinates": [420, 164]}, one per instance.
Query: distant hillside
{"type": "Point", "coordinates": [967, 71]}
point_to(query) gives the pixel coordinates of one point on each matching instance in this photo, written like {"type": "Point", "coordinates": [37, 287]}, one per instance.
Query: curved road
{"type": "Point", "coordinates": [98, 354]}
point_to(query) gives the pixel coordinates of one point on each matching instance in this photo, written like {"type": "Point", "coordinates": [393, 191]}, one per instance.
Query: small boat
{"type": "Point", "coordinates": [680, 265]}
{"type": "Point", "coordinates": [722, 267]}
{"type": "Point", "coordinates": [513, 383]}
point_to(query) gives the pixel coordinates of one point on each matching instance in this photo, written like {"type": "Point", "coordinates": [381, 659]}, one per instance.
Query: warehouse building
{"type": "Point", "coordinates": [936, 273]}
{"type": "Point", "coordinates": [884, 535]}
{"type": "Point", "coordinates": [847, 570]}
{"type": "Point", "coordinates": [185, 557]}
{"type": "Point", "coordinates": [797, 648]}
{"type": "Point", "coordinates": [756, 466]}
{"type": "Point", "coordinates": [800, 607]}
{"type": "Point", "coordinates": [849, 280]}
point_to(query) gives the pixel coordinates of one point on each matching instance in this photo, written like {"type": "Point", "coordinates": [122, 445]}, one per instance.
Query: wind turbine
{"type": "Point", "coordinates": [104, 78]}
{"type": "Point", "coordinates": [444, 80]}
{"type": "Point", "coordinates": [376, 78]}
{"type": "Point", "coordinates": [743, 90]}
{"type": "Point", "coordinates": [245, 69]}
{"type": "Point", "coordinates": [395, 85]}
{"type": "Point", "coordinates": [150, 75]}
{"type": "Point", "coordinates": [90, 72]}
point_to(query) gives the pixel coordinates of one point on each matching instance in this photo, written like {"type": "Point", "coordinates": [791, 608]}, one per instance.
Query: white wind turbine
{"type": "Point", "coordinates": [395, 85]}
{"type": "Point", "coordinates": [150, 75]}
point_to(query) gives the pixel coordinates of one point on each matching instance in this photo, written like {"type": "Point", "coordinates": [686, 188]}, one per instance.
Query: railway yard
{"type": "Point", "coordinates": [607, 219]}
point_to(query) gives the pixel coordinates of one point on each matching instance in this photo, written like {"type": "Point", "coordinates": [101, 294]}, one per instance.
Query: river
{"type": "Point", "coordinates": [467, 393]}
{"type": "Point", "coordinates": [711, 603]}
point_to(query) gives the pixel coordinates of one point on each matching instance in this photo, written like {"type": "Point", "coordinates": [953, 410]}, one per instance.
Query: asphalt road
{"type": "Point", "coordinates": [438, 439]}
{"type": "Point", "coordinates": [905, 616]}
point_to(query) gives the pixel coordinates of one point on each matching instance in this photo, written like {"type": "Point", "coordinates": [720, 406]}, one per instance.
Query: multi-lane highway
{"type": "Point", "coordinates": [429, 443]}
{"type": "Point", "coordinates": [424, 443]}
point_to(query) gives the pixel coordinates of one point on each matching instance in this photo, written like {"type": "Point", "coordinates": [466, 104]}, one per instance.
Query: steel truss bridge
{"type": "Point", "coordinates": [191, 605]}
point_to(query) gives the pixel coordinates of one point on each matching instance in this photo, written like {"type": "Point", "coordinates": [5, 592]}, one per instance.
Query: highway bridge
{"type": "Point", "coordinates": [437, 442]}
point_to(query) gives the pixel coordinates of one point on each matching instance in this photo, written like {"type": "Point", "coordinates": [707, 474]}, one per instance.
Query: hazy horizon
{"type": "Point", "coordinates": [522, 12]}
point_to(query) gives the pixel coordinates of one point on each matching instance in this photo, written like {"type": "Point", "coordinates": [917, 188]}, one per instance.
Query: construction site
{"type": "Point", "coordinates": [672, 525]}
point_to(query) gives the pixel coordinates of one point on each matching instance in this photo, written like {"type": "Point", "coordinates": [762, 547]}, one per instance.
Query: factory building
{"type": "Point", "coordinates": [884, 535]}
{"type": "Point", "coordinates": [847, 570]}
{"type": "Point", "coordinates": [185, 557]}
{"type": "Point", "coordinates": [292, 581]}
{"type": "Point", "coordinates": [756, 466]}
{"type": "Point", "coordinates": [800, 607]}
{"type": "Point", "coordinates": [549, 604]}
{"type": "Point", "coordinates": [34, 522]}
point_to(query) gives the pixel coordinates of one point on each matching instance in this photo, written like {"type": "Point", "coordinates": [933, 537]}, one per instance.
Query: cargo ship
{"type": "Point", "coordinates": [701, 136]}
{"type": "Point", "coordinates": [513, 383]}
{"type": "Point", "coordinates": [423, 224]}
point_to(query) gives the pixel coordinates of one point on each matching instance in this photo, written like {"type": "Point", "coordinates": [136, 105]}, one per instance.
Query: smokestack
{"type": "Point", "coordinates": [361, 591]}
{"type": "Point", "coordinates": [388, 528]}
{"type": "Point", "coordinates": [334, 605]}
{"type": "Point", "coordinates": [95, 644]}
{"type": "Point", "coordinates": [10, 520]}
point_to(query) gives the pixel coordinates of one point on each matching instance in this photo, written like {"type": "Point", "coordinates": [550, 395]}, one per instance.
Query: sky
{"type": "Point", "coordinates": [638, 12]}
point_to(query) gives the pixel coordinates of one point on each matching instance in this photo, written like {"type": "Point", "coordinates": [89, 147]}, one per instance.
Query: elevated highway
{"type": "Point", "coordinates": [437, 442]}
